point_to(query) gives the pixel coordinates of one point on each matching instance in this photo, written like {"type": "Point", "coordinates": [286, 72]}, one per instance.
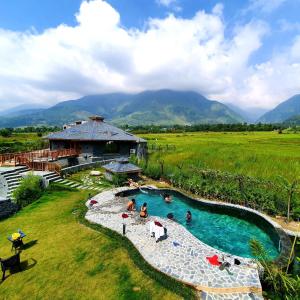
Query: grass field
{"type": "Point", "coordinates": [20, 137]}
{"type": "Point", "coordinates": [257, 154]}
{"type": "Point", "coordinates": [19, 142]}
{"type": "Point", "coordinates": [67, 260]}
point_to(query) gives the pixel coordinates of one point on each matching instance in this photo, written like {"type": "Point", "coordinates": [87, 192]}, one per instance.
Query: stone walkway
{"type": "Point", "coordinates": [78, 185]}
{"type": "Point", "coordinates": [186, 260]}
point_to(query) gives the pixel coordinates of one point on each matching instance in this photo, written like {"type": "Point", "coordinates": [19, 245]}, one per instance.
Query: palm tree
{"type": "Point", "coordinates": [291, 187]}
{"type": "Point", "coordinates": [284, 285]}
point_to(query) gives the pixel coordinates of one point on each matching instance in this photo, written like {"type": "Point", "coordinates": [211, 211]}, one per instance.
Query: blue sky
{"type": "Point", "coordinates": [276, 23]}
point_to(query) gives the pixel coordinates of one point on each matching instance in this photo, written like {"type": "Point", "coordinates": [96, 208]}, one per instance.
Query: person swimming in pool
{"type": "Point", "coordinates": [167, 198]}
{"type": "Point", "coordinates": [171, 217]}
{"type": "Point", "coordinates": [143, 211]}
{"type": "Point", "coordinates": [188, 216]}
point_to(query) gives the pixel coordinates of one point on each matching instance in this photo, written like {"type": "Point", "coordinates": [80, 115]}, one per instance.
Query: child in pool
{"type": "Point", "coordinates": [188, 216]}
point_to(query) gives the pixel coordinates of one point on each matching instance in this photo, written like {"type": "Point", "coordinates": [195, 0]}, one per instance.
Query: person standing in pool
{"type": "Point", "coordinates": [167, 198]}
{"type": "Point", "coordinates": [143, 212]}
{"type": "Point", "coordinates": [188, 216]}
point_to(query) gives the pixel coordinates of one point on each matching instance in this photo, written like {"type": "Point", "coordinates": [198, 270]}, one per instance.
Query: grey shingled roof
{"type": "Point", "coordinates": [94, 131]}
{"type": "Point", "coordinates": [119, 167]}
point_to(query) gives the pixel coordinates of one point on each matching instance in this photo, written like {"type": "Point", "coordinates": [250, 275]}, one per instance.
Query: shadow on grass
{"type": "Point", "coordinates": [29, 244]}
{"type": "Point", "coordinates": [24, 266]}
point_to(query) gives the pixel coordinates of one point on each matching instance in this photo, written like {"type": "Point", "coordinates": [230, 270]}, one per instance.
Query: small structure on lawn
{"type": "Point", "coordinates": [121, 167]}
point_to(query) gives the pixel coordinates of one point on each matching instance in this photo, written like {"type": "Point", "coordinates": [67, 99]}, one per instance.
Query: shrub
{"type": "Point", "coordinates": [279, 284]}
{"type": "Point", "coordinates": [119, 180]}
{"type": "Point", "coordinates": [29, 190]}
{"type": "Point", "coordinates": [6, 132]}
{"type": "Point", "coordinates": [264, 195]}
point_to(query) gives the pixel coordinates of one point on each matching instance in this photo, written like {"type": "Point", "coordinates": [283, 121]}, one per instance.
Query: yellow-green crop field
{"type": "Point", "coordinates": [258, 154]}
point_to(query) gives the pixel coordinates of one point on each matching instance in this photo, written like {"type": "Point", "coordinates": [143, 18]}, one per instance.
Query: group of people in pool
{"type": "Point", "coordinates": [131, 206]}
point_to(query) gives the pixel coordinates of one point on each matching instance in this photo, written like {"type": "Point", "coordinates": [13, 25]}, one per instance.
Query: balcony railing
{"type": "Point", "coordinates": [40, 160]}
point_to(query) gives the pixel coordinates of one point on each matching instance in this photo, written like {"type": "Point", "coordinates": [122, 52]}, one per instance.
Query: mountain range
{"type": "Point", "coordinates": [162, 107]}
{"type": "Point", "coordinates": [282, 112]}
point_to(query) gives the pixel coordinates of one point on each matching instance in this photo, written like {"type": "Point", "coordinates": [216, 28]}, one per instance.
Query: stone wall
{"type": "Point", "coordinates": [7, 208]}
{"type": "Point", "coordinates": [3, 187]}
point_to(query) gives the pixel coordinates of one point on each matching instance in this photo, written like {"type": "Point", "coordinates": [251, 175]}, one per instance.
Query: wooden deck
{"type": "Point", "coordinates": [40, 160]}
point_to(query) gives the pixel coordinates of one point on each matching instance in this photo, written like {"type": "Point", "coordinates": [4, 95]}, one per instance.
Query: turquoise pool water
{"type": "Point", "coordinates": [220, 230]}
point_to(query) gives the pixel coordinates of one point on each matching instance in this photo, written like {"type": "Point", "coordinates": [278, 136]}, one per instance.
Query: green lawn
{"type": "Point", "coordinates": [68, 260]}
{"type": "Point", "coordinates": [258, 154]}
{"type": "Point", "coordinates": [83, 177]}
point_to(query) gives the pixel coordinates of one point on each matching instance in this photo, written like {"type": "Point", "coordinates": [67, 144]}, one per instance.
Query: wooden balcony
{"type": "Point", "coordinates": [40, 160]}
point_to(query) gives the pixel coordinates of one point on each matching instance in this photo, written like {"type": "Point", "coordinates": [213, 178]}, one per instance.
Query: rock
{"type": "Point", "coordinates": [95, 173]}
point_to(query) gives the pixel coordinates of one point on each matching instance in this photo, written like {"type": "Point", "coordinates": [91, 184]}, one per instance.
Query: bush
{"type": "Point", "coordinates": [279, 284]}
{"type": "Point", "coordinates": [6, 132]}
{"type": "Point", "coordinates": [119, 180]}
{"type": "Point", "coordinates": [30, 189]}
{"type": "Point", "coordinates": [264, 195]}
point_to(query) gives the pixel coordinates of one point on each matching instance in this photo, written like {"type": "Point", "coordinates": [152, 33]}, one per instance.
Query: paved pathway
{"type": "Point", "coordinates": [78, 185]}
{"type": "Point", "coordinates": [187, 261]}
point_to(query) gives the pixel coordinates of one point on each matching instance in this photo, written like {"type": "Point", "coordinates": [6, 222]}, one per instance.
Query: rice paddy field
{"type": "Point", "coordinates": [258, 154]}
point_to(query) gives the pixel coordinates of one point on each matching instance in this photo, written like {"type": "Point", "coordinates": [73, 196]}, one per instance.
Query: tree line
{"type": "Point", "coordinates": [205, 127]}
{"type": "Point", "coordinates": [7, 132]}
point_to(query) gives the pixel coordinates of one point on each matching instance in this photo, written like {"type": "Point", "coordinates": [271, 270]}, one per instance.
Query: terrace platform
{"type": "Point", "coordinates": [185, 262]}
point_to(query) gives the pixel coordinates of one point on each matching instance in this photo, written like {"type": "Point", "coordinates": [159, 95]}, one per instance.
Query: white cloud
{"type": "Point", "coordinates": [265, 6]}
{"type": "Point", "coordinates": [166, 2]}
{"type": "Point", "coordinates": [170, 4]}
{"type": "Point", "coordinates": [285, 25]}
{"type": "Point", "coordinates": [98, 55]}
{"type": "Point", "coordinates": [218, 9]}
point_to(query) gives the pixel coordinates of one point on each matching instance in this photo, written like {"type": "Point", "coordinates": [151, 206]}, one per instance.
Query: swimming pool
{"type": "Point", "coordinates": [225, 228]}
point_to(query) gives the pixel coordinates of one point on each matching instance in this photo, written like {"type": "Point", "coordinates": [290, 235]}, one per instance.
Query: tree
{"type": "Point", "coordinates": [292, 251]}
{"type": "Point", "coordinates": [283, 285]}
{"type": "Point", "coordinates": [291, 187]}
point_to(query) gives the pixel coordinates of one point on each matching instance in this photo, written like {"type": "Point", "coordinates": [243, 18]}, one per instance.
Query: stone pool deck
{"type": "Point", "coordinates": [186, 262]}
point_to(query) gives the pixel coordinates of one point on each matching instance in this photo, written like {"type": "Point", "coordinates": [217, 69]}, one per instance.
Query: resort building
{"type": "Point", "coordinates": [97, 139]}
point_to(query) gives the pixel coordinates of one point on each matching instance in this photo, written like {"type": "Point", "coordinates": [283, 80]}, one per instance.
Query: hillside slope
{"type": "Point", "coordinates": [283, 111]}
{"type": "Point", "coordinates": [149, 107]}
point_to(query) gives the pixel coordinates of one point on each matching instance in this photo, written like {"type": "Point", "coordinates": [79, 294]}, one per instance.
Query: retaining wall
{"type": "Point", "coordinates": [7, 208]}
{"type": "Point", "coordinates": [77, 168]}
